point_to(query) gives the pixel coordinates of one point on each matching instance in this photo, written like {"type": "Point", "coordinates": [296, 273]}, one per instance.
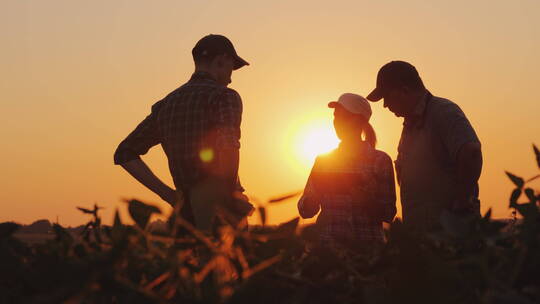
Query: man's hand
{"type": "Point", "coordinates": [227, 169]}
{"type": "Point", "coordinates": [171, 196]}
{"type": "Point", "coordinates": [242, 204]}
{"type": "Point", "coordinates": [140, 171]}
{"type": "Point", "coordinates": [469, 167]}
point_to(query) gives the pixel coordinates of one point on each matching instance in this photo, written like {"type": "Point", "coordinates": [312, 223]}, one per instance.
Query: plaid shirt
{"type": "Point", "coordinates": [193, 124]}
{"type": "Point", "coordinates": [354, 188]}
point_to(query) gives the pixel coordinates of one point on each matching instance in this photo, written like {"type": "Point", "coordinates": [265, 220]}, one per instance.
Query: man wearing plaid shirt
{"type": "Point", "coordinates": [198, 126]}
{"type": "Point", "coordinates": [353, 186]}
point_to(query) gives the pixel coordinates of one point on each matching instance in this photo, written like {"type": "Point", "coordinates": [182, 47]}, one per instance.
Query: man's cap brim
{"type": "Point", "coordinates": [239, 62]}
{"type": "Point", "coordinates": [375, 95]}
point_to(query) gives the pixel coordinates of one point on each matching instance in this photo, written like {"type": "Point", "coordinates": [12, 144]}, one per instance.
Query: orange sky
{"type": "Point", "coordinates": [76, 78]}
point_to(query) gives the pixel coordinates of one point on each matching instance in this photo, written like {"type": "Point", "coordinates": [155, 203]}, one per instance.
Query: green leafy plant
{"type": "Point", "coordinates": [488, 261]}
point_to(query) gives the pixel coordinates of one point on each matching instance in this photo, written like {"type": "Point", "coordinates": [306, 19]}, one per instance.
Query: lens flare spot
{"type": "Point", "coordinates": [206, 155]}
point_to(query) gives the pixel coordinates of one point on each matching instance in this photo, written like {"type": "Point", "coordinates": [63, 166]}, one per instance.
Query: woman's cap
{"type": "Point", "coordinates": [353, 103]}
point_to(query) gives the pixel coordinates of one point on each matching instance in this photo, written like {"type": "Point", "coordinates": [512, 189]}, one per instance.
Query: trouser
{"type": "Point", "coordinates": [207, 201]}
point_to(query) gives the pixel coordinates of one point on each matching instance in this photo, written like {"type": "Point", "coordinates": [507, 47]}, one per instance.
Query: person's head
{"type": "Point", "coordinates": [401, 87]}
{"type": "Point", "coordinates": [216, 55]}
{"type": "Point", "coordinates": [351, 119]}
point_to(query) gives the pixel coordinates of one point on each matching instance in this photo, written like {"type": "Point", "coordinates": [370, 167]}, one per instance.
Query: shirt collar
{"type": "Point", "coordinates": [418, 115]}
{"type": "Point", "coordinates": [354, 146]}
{"type": "Point", "coordinates": [200, 75]}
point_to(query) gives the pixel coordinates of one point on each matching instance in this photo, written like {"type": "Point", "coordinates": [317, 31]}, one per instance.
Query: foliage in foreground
{"type": "Point", "coordinates": [469, 260]}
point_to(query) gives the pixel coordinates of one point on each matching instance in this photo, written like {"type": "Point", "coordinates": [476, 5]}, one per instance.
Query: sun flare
{"type": "Point", "coordinates": [315, 140]}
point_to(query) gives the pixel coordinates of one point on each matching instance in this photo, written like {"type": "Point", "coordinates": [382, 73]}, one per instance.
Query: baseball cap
{"type": "Point", "coordinates": [392, 75]}
{"type": "Point", "coordinates": [353, 103]}
{"type": "Point", "coordinates": [212, 45]}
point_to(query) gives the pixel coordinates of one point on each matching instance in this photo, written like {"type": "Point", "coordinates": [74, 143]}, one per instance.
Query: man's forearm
{"type": "Point", "coordinates": [308, 207]}
{"type": "Point", "coordinates": [228, 169]}
{"type": "Point", "coordinates": [141, 172]}
{"type": "Point", "coordinates": [469, 169]}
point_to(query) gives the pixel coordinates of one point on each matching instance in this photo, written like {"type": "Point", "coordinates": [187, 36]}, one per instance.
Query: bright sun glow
{"type": "Point", "coordinates": [316, 139]}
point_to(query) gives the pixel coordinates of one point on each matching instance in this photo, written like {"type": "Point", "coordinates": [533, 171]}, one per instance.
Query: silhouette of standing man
{"type": "Point", "coordinates": [198, 126]}
{"type": "Point", "coordinates": [439, 155]}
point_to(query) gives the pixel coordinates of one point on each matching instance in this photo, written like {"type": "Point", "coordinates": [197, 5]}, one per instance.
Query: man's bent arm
{"type": "Point", "coordinates": [141, 172]}
{"type": "Point", "coordinates": [464, 148]}
{"type": "Point", "coordinates": [229, 118]}
{"type": "Point", "coordinates": [229, 168]}
{"type": "Point", "coordinates": [469, 168]}
{"type": "Point", "coordinates": [137, 143]}
{"type": "Point", "coordinates": [309, 204]}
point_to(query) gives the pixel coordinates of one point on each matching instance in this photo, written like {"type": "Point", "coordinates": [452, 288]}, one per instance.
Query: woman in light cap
{"type": "Point", "coordinates": [353, 185]}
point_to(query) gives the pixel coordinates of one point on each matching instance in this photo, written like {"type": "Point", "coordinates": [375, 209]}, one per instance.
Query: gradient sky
{"type": "Point", "coordinates": [77, 76]}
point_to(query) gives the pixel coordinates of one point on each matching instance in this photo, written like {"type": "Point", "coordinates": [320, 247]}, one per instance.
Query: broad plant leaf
{"type": "Point", "coordinates": [527, 210]}
{"type": "Point", "coordinates": [487, 216]}
{"type": "Point", "coordinates": [530, 194]}
{"type": "Point", "coordinates": [518, 181]}
{"type": "Point", "coordinates": [262, 213]}
{"type": "Point", "coordinates": [84, 210]}
{"type": "Point", "coordinates": [117, 222]}
{"type": "Point", "coordinates": [141, 212]}
{"type": "Point", "coordinates": [283, 198]}
{"type": "Point", "coordinates": [289, 226]}
{"type": "Point", "coordinates": [514, 197]}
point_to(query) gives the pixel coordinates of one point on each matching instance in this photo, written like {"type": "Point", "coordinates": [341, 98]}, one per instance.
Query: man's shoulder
{"type": "Point", "coordinates": [441, 102]}
{"type": "Point", "coordinates": [190, 87]}
{"type": "Point", "coordinates": [443, 107]}
{"type": "Point", "coordinates": [231, 93]}
{"type": "Point", "coordinates": [210, 90]}
{"type": "Point", "coordinates": [228, 98]}
{"type": "Point", "coordinates": [213, 90]}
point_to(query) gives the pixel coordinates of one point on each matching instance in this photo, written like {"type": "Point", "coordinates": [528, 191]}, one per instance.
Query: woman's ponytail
{"type": "Point", "coordinates": [368, 134]}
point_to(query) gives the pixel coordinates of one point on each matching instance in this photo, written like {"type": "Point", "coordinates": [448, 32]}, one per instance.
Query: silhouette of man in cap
{"type": "Point", "coordinates": [439, 155]}
{"type": "Point", "coordinates": [198, 126]}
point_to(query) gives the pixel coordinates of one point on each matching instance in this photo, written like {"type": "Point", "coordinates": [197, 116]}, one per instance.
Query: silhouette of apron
{"type": "Point", "coordinates": [427, 180]}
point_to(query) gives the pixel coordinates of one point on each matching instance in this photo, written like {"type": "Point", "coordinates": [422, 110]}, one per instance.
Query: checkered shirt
{"type": "Point", "coordinates": [193, 124]}
{"type": "Point", "coordinates": [354, 188]}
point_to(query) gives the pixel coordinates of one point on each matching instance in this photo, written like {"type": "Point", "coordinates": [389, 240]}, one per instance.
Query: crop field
{"type": "Point", "coordinates": [34, 238]}
{"type": "Point", "coordinates": [467, 260]}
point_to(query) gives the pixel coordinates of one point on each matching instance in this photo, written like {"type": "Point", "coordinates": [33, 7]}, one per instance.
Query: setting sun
{"type": "Point", "coordinates": [317, 141]}
{"type": "Point", "coordinates": [315, 138]}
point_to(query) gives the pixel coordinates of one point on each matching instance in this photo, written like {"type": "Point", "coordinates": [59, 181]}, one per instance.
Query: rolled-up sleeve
{"type": "Point", "coordinates": [138, 142]}
{"type": "Point", "coordinates": [455, 129]}
{"type": "Point", "coordinates": [386, 195]}
{"type": "Point", "coordinates": [229, 118]}
{"type": "Point", "coordinates": [309, 204]}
